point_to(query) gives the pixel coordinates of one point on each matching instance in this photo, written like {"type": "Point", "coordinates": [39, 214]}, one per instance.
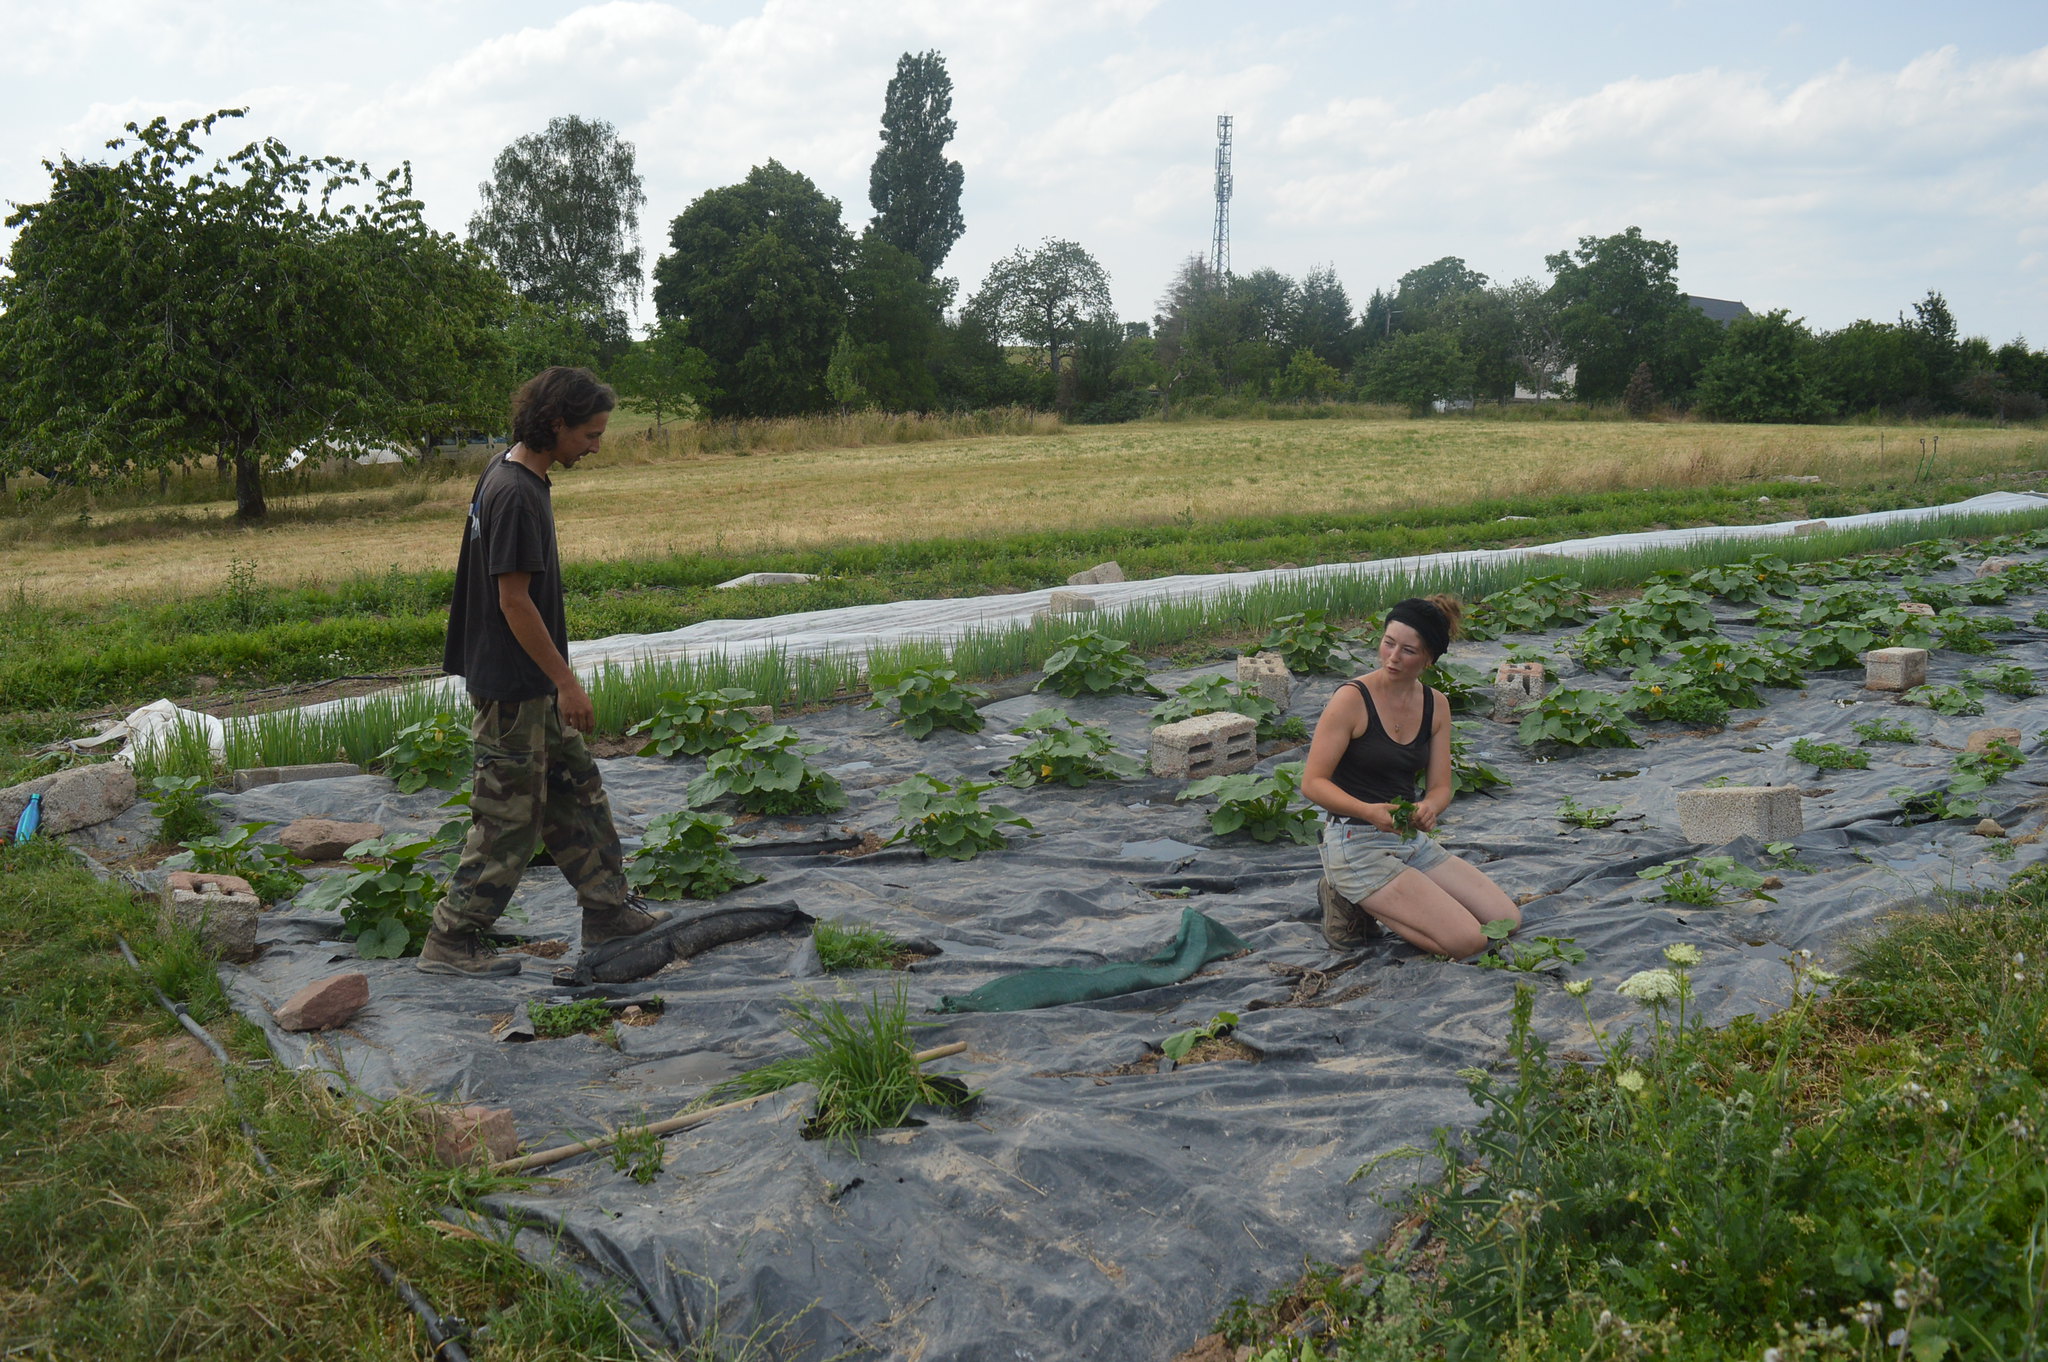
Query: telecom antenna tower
{"type": "Point", "coordinates": [1219, 247]}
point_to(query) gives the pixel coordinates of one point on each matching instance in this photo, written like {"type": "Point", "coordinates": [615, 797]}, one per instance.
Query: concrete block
{"type": "Point", "coordinates": [325, 1003]}
{"type": "Point", "coordinates": [1516, 686]}
{"type": "Point", "coordinates": [1102, 574]}
{"type": "Point", "coordinates": [1809, 527]}
{"type": "Point", "coordinates": [209, 882]}
{"type": "Point", "coordinates": [1069, 603]}
{"type": "Point", "coordinates": [769, 579]}
{"type": "Point", "coordinates": [226, 922]}
{"type": "Point", "coordinates": [1898, 669]}
{"type": "Point", "coordinates": [1769, 813]}
{"type": "Point", "coordinates": [1995, 565]}
{"type": "Point", "coordinates": [1916, 607]}
{"type": "Point", "coordinates": [254, 776]}
{"type": "Point", "coordinates": [73, 799]}
{"type": "Point", "coordinates": [324, 839]}
{"type": "Point", "coordinates": [1265, 675]}
{"type": "Point", "coordinates": [1207, 745]}
{"type": "Point", "coordinates": [760, 714]}
{"type": "Point", "coordinates": [1981, 740]}
{"type": "Point", "coordinates": [473, 1134]}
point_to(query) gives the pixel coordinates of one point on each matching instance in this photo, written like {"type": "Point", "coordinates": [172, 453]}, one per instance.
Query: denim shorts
{"type": "Point", "coordinates": [1360, 860]}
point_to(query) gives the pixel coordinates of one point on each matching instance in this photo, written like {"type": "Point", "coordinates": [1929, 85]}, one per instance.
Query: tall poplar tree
{"type": "Point", "coordinates": [914, 188]}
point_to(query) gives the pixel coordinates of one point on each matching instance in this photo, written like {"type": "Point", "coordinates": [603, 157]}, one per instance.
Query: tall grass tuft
{"type": "Point", "coordinates": [863, 1066]}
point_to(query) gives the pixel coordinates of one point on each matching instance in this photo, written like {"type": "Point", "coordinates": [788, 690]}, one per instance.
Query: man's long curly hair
{"type": "Point", "coordinates": [571, 396]}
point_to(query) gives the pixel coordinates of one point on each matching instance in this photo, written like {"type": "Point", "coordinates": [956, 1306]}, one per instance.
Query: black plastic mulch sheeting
{"type": "Point", "coordinates": [1085, 1206]}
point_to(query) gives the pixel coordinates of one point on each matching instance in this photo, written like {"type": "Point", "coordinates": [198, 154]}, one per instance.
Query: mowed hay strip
{"type": "Point", "coordinates": [620, 506]}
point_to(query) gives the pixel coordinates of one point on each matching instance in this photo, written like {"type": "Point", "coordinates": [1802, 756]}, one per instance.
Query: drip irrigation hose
{"type": "Point", "coordinates": [445, 1333]}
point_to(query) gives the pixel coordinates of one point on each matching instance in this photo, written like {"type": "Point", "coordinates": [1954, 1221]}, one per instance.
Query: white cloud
{"type": "Point", "coordinates": [1844, 188]}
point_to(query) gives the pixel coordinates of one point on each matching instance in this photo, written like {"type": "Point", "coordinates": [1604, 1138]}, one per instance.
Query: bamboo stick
{"type": "Point", "coordinates": [545, 1157]}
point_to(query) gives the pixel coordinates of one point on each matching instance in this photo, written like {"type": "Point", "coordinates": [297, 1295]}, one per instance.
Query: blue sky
{"type": "Point", "coordinates": [1837, 160]}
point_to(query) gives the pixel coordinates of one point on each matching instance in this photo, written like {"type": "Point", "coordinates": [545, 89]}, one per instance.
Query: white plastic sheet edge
{"type": "Point", "coordinates": [856, 629]}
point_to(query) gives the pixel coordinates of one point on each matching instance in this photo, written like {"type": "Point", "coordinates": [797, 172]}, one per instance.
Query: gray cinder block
{"type": "Point", "coordinates": [1069, 603]}
{"type": "Point", "coordinates": [1894, 668]}
{"type": "Point", "coordinates": [1207, 745]}
{"type": "Point", "coordinates": [1516, 686]}
{"type": "Point", "coordinates": [226, 922]}
{"type": "Point", "coordinates": [1265, 675]}
{"type": "Point", "coordinates": [1769, 813]}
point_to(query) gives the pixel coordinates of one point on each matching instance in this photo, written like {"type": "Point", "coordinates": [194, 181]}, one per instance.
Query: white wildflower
{"type": "Point", "coordinates": [1774, 1355]}
{"type": "Point", "coordinates": [1579, 988]}
{"type": "Point", "coordinates": [1898, 1337]}
{"type": "Point", "coordinates": [1650, 986]}
{"type": "Point", "coordinates": [1901, 1300]}
{"type": "Point", "coordinates": [2019, 957]}
{"type": "Point", "coordinates": [1682, 953]}
{"type": "Point", "coordinates": [1821, 976]}
{"type": "Point", "coordinates": [1630, 1080]}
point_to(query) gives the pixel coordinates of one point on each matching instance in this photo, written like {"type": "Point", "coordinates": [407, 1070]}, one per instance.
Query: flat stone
{"type": "Point", "coordinates": [1916, 607]}
{"type": "Point", "coordinates": [1894, 669]}
{"type": "Point", "coordinates": [1102, 574]}
{"type": "Point", "coordinates": [769, 579]}
{"type": "Point", "coordinates": [1265, 675]}
{"type": "Point", "coordinates": [78, 798]}
{"type": "Point", "coordinates": [1516, 686]}
{"type": "Point", "coordinates": [1069, 603]}
{"type": "Point", "coordinates": [325, 1003]}
{"type": "Point", "coordinates": [250, 778]}
{"type": "Point", "coordinates": [1206, 745]}
{"type": "Point", "coordinates": [1809, 527]}
{"type": "Point", "coordinates": [1988, 827]}
{"type": "Point", "coordinates": [1993, 565]}
{"type": "Point", "coordinates": [1769, 813]}
{"type": "Point", "coordinates": [1981, 740]}
{"type": "Point", "coordinates": [324, 839]}
{"type": "Point", "coordinates": [473, 1134]}
{"type": "Point", "coordinates": [226, 923]}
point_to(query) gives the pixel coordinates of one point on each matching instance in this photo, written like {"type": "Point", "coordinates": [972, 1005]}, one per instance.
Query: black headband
{"type": "Point", "coordinates": [1427, 619]}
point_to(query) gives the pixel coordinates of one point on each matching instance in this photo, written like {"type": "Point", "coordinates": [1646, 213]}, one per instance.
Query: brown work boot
{"type": "Point", "coordinates": [1346, 926]}
{"type": "Point", "coordinates": [614, 924]}
{"type": "Point", "coordinates": [466, 954]}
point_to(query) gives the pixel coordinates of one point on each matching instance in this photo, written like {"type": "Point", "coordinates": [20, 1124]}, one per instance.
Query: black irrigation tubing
{"type": "Point", "coordinates": [444, 1332]}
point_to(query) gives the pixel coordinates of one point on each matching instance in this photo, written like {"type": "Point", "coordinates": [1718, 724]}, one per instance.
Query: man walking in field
{"type": "Point", "coordinates": [508, 637]}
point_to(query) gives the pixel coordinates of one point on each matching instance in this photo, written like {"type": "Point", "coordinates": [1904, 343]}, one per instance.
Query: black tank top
{"type": "Point", "coordinates": [1374, 768]}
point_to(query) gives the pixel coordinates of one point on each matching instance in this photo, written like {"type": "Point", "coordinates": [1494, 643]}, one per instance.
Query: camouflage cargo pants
{"type": "Point", "coordinates": [535, 780]}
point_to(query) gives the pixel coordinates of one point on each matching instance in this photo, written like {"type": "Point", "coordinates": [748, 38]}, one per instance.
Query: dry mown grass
{"type": "Point", "coordinates": [632, 501]}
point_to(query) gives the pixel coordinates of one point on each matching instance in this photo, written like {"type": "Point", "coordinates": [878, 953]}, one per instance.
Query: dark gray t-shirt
{"type": "Point", "coordinates": [511, 529]}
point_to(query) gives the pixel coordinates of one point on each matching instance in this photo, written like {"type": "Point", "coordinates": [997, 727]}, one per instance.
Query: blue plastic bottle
{"type": "Point", "coordinates": [31, 818]}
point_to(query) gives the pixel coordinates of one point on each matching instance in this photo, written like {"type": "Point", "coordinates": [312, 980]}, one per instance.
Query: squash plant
{"type": "Point", "coordinates": [766, 772]}
{"type": "Point", "coordinates": [1262, 807]}
{"type": "Point", "coordinates": [1064, 750]}
{"type": "Point", "coordinates": [1092, 663]}
{"type": "Point", "coordinates": [927, 698]}
{"type": "Point", "coordinates": [950, 820]}
{"type": "Point", "coordinates": [1573, 716]}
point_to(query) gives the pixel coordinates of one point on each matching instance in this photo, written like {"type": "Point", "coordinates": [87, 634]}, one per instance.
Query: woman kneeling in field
{"type": "Point", "coordinates": [1360, 765]}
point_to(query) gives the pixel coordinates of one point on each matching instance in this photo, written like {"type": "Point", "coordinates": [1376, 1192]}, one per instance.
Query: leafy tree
{"type": "Point", "coordinates": [1308, 378]}
{"type": "Point", "coordinates": [1640, 397]}
{"type": "Point", "coordinates": [1619, 306]}
{"type": "Point", "coordinates": [1934, 333]}
{"type": "Point", "coordinates": [664, 374]}
{"type": "Point", "coordinates": [1489, 333]}
{"type": "Point", "coordinates": [1763, 372]}
{"type": "Point", "coordinates": [1319, 319]}
{"type": "Point", "coordinates": [1041, 296]}
{"type": "Point", "coordinates": [1539, 351]}
{"type": "Point", "coordinates": [973, 371]}
{"type": "Point", "coordinates": [892, 325]}
{"type": "Point", "coordinates": [1429, 287]}
{"type": "Point", "coordinates": [156, 306]}
{"type": "Point", "coordinates": [914, 188]}
{"type": "Point", "coordinates": [754, 272]}
{"type": "Point", "coordinates": [1417, 369]}
{"type": "Point", "coordinates": [1872, 366]}
{"type": "Point", "coordinates": [561, 216]}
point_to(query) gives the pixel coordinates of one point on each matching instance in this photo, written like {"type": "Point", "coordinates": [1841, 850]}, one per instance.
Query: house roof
{"type": "Point", "coordinates": [1722, 310]}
